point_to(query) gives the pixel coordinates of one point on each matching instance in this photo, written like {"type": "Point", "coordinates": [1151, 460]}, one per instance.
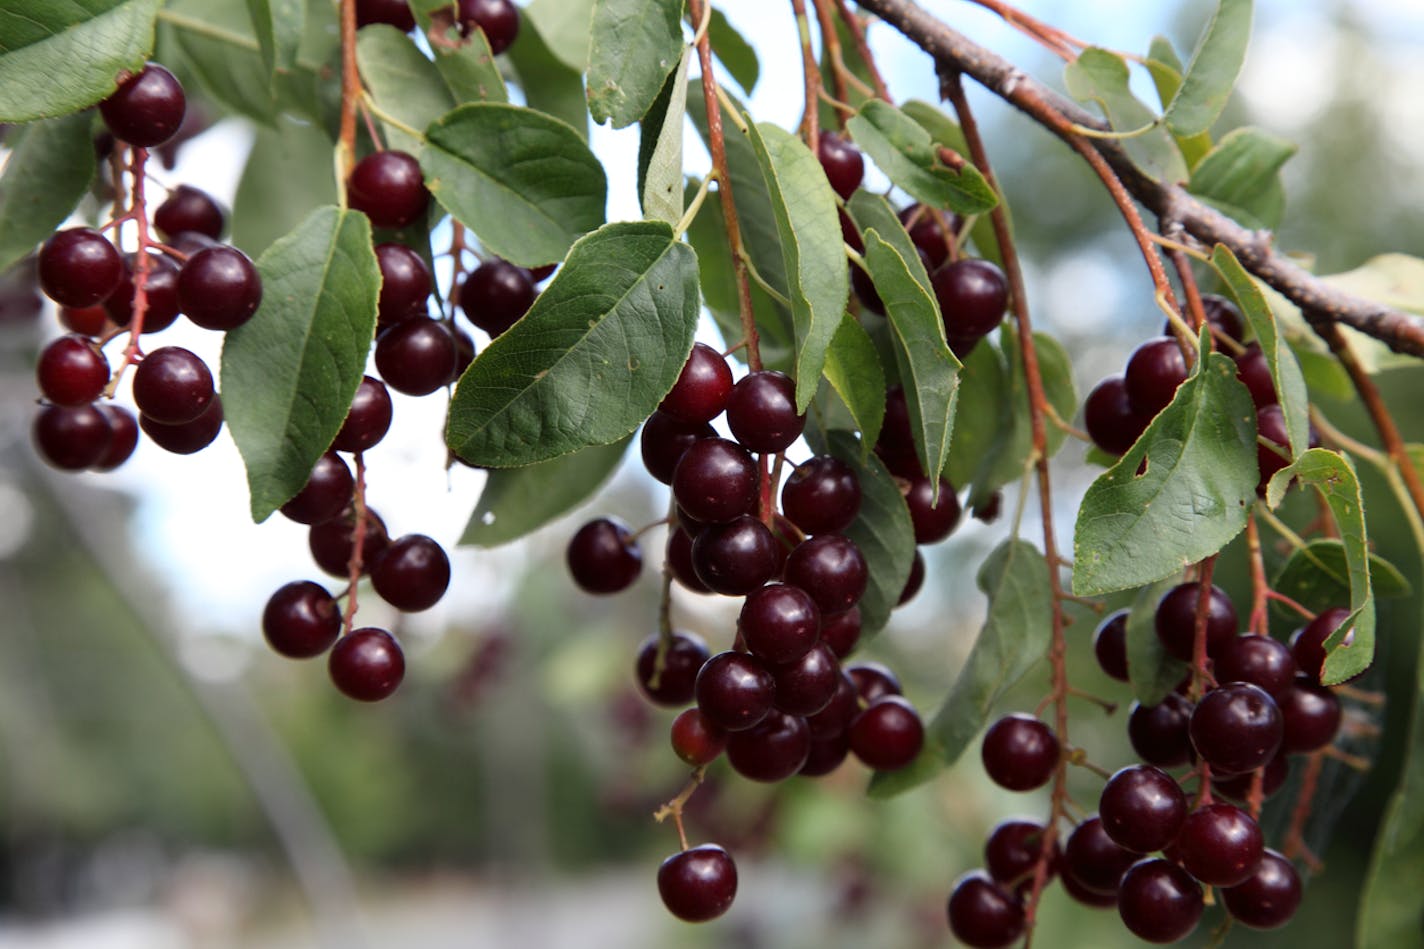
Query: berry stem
{"type": "Point", "coordinates": [1260, 589]}
{"type": "Point", "coordinates": [1051, 38]}
{"type": "Point", "coordinates": [673, 808]}
{"type": "Point", "coordinates": [862, 48]}
{"type": "Point", "coordinates": [138, 212]}
{"type": "Point", "coordinates": [1295, 846]}
{"type": "Point", "coordinates": [350, 96]}
{"type": "Point", "coordinates": [1201, 676]}
{"type": "Point", "coordinates": [358, 541]}
{"type": "Point", "coordinates": [811, 72]}
{"type": "Point", "coordinates": [831, 41]}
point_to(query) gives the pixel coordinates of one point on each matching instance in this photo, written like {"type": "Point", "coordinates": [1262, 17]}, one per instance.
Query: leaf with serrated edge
{"type": "Point", "coordinates": [57, 58]}
{"type": "Point", "coordinates": [872, 212]}
{"type": "Point", "coordinates": [1285, 371]}
{"type": "Point", "coordinates": [403, 82]}
{"type": "Point", "coordinates": [1193, 498]}
{"type": "Point", "coordinates": [882, 530]}
{"type": "Point", "coordinates": [1151, 670]}
{"type": "Point", "coordinates": [1013, 640]}
{"type": "Point", "coordinates": [633, 45]}
{"type": "Point", "coordinates": [1102, 76]}
{"type": "Point", "coordinates": [49, 169]}
{"type": "Point", "coordinates": [902, 148]}
{"type": "Point", "coordinates": [808, 223]}
{"type": "Point", "coordinates": [1165, 68]}
{"type": "Point", "coordinates": [524, 182]}
{"type": "Point", "coordinates": [662, 186]}
{"type": "Point", "coordinates": [1212, 73]}
{"type": "Point", "coordinates": [853, 369]}
{"type": "Point", "coordinates": [290, 372]}
{"type": "Point", "coordinates": [466, 65]}
{"type": "Point", "coordinates": [1318, 578]}
{"type": "Point", "coordinates": [979, 419]}
{"type": "Point", "coordinates": [1333, 476]}
{"type": "Point", "coordinates": [1243, 173]}
{"type": "Point", "coordinates": [592, 358]}
{"type": "Point", "coordinates": [929, 372]}
{"type": "Point", "coordinates": [945, 131]}
{"type": "Point", "coordinates": [519, 501]}
{"type": "Point", "coordinates": [733, 51]}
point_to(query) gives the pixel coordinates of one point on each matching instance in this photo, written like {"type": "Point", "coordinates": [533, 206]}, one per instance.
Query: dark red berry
{"type": "Point", "coordinates": [1020, 752]}
{"type": "Point", "coordinates": [931, 231]}
{"type": "Point", "coordinates": [147, 108]}
{"type": "Point", "coordinates": [807, 684]}
{"type": "Point", "coordinates": [86, 321]}
{"type": "Point", "coordinates": [1236, 727]}
{"type": "Point", "coordinates": [684, 657]}
{"type": "Point", "coordinates": [1269, 897]}
{"type": "Point", "coordinates": [914, 581]}
{"type": "Point", "coordinates": [1253, 369]}
{"type": "Point", "coordinates": [826, 755]}
{"type": "Point", "coordinates": [1013, 850]}
{"type": "Point", "coordinates": [831, 568]}
{"type": "Point", "coordinates": [1307, 644]}
{"type": "Point", "coordinates": [873, 680]}
{"type": "Point", "coordinates": [189, 209]}
{"type": "Point", "coordinates": [779, 623]}
{"type": "Point", "coordinates": [1221, 314]}
{"type": "Point", "coordinates": [761, 412]}
{"type": "Point", "coordinates": [1110, 645]}
{"type": "Point", "coordinates": [841, 631]}
{"type": "Point", "coordinates": [702, 388]}
{"type": "Point", "coordinates": [72, 371]}
{"type": "Point", "coordinates": [1259, 660]}
{"type": "Point", "coordinates": [896, 444]}
{"type": "Point", "coordinates": [772, 750]}
{"type": "Point", "coordinates": [1154, 371]}
{"type": "Point", "coordinates": [186, 438]}
{"type": "Point", "coordinates": [1273, 449]}
{"type": "Point", "coordinates": [464, 352]}
{"type": "Point", "coordinates": [664, 439]}
{"type": "Point", "coordinates": [325, 495]}
{"type": "Point", "coordinates": [332, 542]}
{"type": "Point", "coordinates": [1159, 901]}
{"type": "Point", "coordinates": [698, 884]}
{"type": "Point", "coordinates": [406, 283]}
{"type": "Point", "coordinates": [496, 294]}
{"type": "Point", "coordinates": [161, 297]}
{"type": "Point", "coordinates": [983, 914]}
{"type": "Point", "coordinates": [368, 420]}
{"type": "Point", "coordinates": [836, 717]}
{"type": "Point", "coordinates": [412, 574]}
{"type": "Point", "coordinates": [696, 739]}
{"type": "Point", "coordinates": [1087, 897]}
{"type": "Point", "coordinates": [715, 480]}
{"type": "Point", "coordinates": [367, 664]}
{"type": "Point", "coordinates": [123, 428]}
{"type": "Point", "coordinates": [389, 187]}
{"type": "Point", "coordinates": [172, 386]}
{"type": "Point", "coordinates": [603, 557]}
{"type": "Point", "coordinates": [1093, 860]}
{"type": "Point", "coordinates": [932, 522]}
{"type": "Point", "coordinates": [79, 267]}
{"type": "Point", "coordinates": [71, 438]}
{"type": "Point", "coordinates": [842, 162]}
{"type": "Point", "coordinates": [1311, 716]}
{"type": "Point", "coordinates": [219, 288]}
{"type": "Point", "coordinates": [679, 561]}
{"type": "Point", "coordinates": [735, 690]}
{"type": "Point", "coordinates": [394, 13]}
{"type": "Point", "coordinates": [301, 620]}
{"type": "Point", "coordinates": [1112, 422]}
{"type": "Point", "coordinates": [822, 495]}
{"type": "Point", "coordinates": [1159, 732]}
{"type": "Point", "coordinates": [1142, 808]}
{"type": "Point", "coordinates": [1220, 845]}
{"type": "Point", "coordinates": [1176, 619]}
{"type": "Point", "coordinates": [416, 356]}
{"type": "Point", "coordinates": [735, 558]}
{"type": "Point", "coordinates": [499, 19]}
{"type": "Point", "coordinates": [972, 294]}
{"type": "Point", "coordinates": [888, 735]}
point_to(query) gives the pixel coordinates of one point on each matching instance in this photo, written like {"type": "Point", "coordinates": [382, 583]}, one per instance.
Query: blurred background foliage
{"type": "Point", "coordinates": [176, 787]}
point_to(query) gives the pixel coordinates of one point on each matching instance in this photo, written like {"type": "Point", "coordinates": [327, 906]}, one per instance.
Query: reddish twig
{"type": "Point", "coordinates": [350, 93]}
{"type": "Point", "coordinates": [832, 43]}
{"type": "Point", "coordinates": [354, 566]}
{"type": "Point", "coordinates": [810, 119]}
{"type": "Point", "coordinates": [862, 48]}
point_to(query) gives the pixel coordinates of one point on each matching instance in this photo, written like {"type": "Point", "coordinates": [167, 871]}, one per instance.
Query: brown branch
{"type": "Point", "coordinates": [951, 50]}
{"type": "Point", "coordinates": [862, 48]}
{"type": "Point", "coordinates": [810, 119]}
{"type": "Point", "coordinates": [832, 41]}
{"type": "Point", "coordinates": [350, 93]}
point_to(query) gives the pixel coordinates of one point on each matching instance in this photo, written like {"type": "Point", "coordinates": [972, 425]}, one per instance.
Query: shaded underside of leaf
{"type": "Point", "coordinates": [1212, 72]}
{"type": "Point", "coordinates": [49, 169]}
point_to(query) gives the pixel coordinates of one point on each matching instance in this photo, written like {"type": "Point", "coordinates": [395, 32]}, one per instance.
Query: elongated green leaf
{"type": "Point", "coordinates": [733, 51]}
{"type": "Point", "coordinates": [403, 82]}
{"type": "Point", "coordinates": [1212, 73]}
{"type": "Point", "coordinates": [564, 26]}
{"type": "Point", "coordinates": [289, 373]}
{"type": "Point", "coordinates": [1198, 479]}
{"type": "Point", "coordinates": [465, 63]}
{"type": "Point", "coordinates": [278, 25]}
{"type": "Point", "coordinates": [1242, 174]}
{"type": "Point", "coordinates": [1166, 69]}
{"type": "Point", "coordinates": [1014, 638]}
{"type": "Point", "coordinates": [633, 46]}
{"type": "Point", "coordinates": [1101, 76]}
{"type": "Point", "coordinates": [1351, 647]}
{"type": "Point", "coordinates": [549, 84]}
{"type": "Point", "coordinates": [904, 151]}
{"type": "Point", "coordinates": [57, 58]}
{"type": "Point", "coordinates": [591, 359]}
{"type": "Point", "coordinates": [519, 501]}
{"type": "Point", "coordinates": [1150, 669]}
{"type": "Point", "coordinates": [984, 402]}
{"type": "Point", "coordinates": [1285, 371]}
{"type": "Point", "coordinates": [50, 166]}
{"type": "Point", "coordinates": [929, 372]}
{"type": "Point", "coordinates": [811, 247]}
{"type": "Point", "coordinates": [1318, 578]}
{"type": "Point", "coordinates": [872, 212]}
{"type": "Point", "coordinates": [525, 183]}
{"type": "Point", "coordinates": [661, 184]}
{"type": "Point", "coordinates": [288, 175]}
{"type": "Point", "coordinates": [853, 369]}
{"type": "Point", "coordinates": [882, 530]}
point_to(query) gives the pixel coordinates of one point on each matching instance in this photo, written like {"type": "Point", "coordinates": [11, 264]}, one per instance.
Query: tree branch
{"type": "Point", "coordinates": [1400, 331]}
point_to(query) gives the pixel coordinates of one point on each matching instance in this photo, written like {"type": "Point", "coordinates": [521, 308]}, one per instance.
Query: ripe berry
{"type": "Point", "coordinates": [842, 163]}
{"type": "Point", "coordinates": [771, 750]}
{"type": "Point", "coordinates": [331, 542]}
{"type": "Point", "coordinates": [779, 623]}
{"type": "Point", "coordinates": [186, 438]}
{"type": "Point", "coordinates": [685, 656]}
{"type": "Point", "coordinates": [499, 19]}
{"type": "Point", "coordinates": [735, 690]}
{"type": "Point", "coordinates": [301, 620]}
{"type": "Point", "coordinates": [914, 581]}
{"type": "Point", "coordinates": [368, 419]}
{"type": "Point", "coordinates": [735, 558]}
{"type": "Point", "coordinates": [1176, 619]}
{"type": "Point", "coordinates": [394, 13]}
{"type": "Point", "coordinates": [679, 561]}
{"type": "Point", "coordinates": [822, 495]}
{"type": "Point", "coordinates": [1092, 859]}
{"type": "Point", "coordinates": [412, 574]}
{"type": "Point", "coordinates": [71, 371]}
{"type": "Point", "coordinates": [1311, 716]}
{"type": "Point", "coordinates": [188, 209]}
{"type": "Point", "coordinates": [1269, 897]}
{"type": "Point", "coordinates": [831, 568]}
{"type": "Point", "coordinates": [496, 294]}
{"type": "Point", "coordinates": [325, 495]}
{"type": "Point", "coordinates": [1259, 660]}
{"type": "Point", "coordinates": [1159, 732]}
{"type": "Point", "coordinates": [147, 108]}
{"type": "Point", "coordinates": [1307, 644]}
{"type": "Point", "coordinates": [973, 295]}
{"type": "Point", "coordinates": [841, 631]}
{"type": "Point", "coordinates": [715, 480]}
{"type": "Point", "coordinates": [1020, 752]}
{"type": "Point", "coordinates": [71, 438]}
{"type": "Point", "coordinates": [389, 188]}
{"type": "Point", "coordinates": [896, 444]}
{"type": "Point", "coordinates": [1253, 370]}
{"type": "Point", "coordinates": [86, 321]}
{"type": "Point", "coordinates": [79, 267]}
{"type": "Point", "coordinates": [698, 884]}
{"type": "Point", "coordinates": [702, 388]}
{"type": "Point", "coordinates": [1112, 422]}
{"type": "Point", "coordinates": [1142, 808]}
{"type": "Point", "coordinates": [1110, 645]}
{"type": "Point", "coordinates": [663, 440]}
{"type": "Point", "coordinates": [696, 739]}
{"type": "Point", "coordinates": [464, 352]}
{"type": "Point", "coordinates": [1159, 901]}
{"type": "Point", "coordinates": [1012, 851]}
{"type": "Point", "coordinates": [983, 914]}
{"type": "Point", "coordinates": [1236, 727]}
{"type": "Point", "coordinates": [219, 288]}
{"type": "Point", "coordinates": [161, 301]}
{"type": "Point", "coordinates": [603, 557]}
{"type": "Point", "coordinates": [367, 664]}
{"type": "Point", "coordinates": [807, 684]}
{"type": "Point", "coordinates": [836, 717]}
{"type": "Point", "coordinates": [172, 386]}
{"type": "Point", "coordinates": [873, 680]}
{"type": "Point", "coordinates": [888, 735]}
{"type": "Point", "coordinates": [1220, 845]}
{"type": "Point", "coordinates": [826, 755]}
{"type": "Point", "coordinates": [406, 283]}
{"type": "Point", "coordinates": [416, 356]}
{"type": "Point", "coordinates": [1154, 370]}
{"type": "Point", "coordinates": [932, 522]}
{"type": "Point", "coordinates": [761, 412]}
{"type": "Point", "coordinates": [123, 429]}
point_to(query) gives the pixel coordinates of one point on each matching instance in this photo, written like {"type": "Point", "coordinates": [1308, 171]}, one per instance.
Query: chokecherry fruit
{"type": "Point", "coordinates": [219, 288]}
{"type": "Point", "coordinates": [779, 623]}
{"type": "Point", "coordinates": [325, 495]}
{"type": "Point", "coordinates": [172, 385]}
{"type": "Point", "coordinates": [1154, 371]}
{"type": "Point", "coordinates": [698, 884]}
{"type": "Point", "coordinates": [1253, 370]}
{"type": "Point", "coordinates": [1269, 897]}
{"type": "Point", "coordinates": [932, 522]}
{"type": "Point", "coordinates": [807, 684]}
{"type": "Point", "coordinates": [416, 356]}
{"type": "Point", "coordinates": [1311, 716]}
{"type": "Point", "coordinates": [603, 557]}
{"type": "Point", "coordinates": [499, 19]}
{"type": "Point", "coordinates": [123, 428]}
{"type": "Point", "coordinates": [931, 231]}
{"type": "Point", "coordinates": [1110, 645]}
{"type": "Point", "coordinates": [147, 108]}
{"type": "Point", "coordinates": [389, 188]}
{"type": "Point", "coordinates": [1112, 421]}
{"type": "Point", "coordinates": [715, 480]}
{"type": "Point", "coordinates": [160, 292]}
{"type": "Point", "coordinates": [412, 573]}
{"type": "Point", "coordinates": [683, 659]}
{"type": "Point", "coordinates": [1020, 752]}
{"type": "Point", "coordinates": [394, 13]}
{"type": "Point", "coordinates": [1259, 660]}
{"type": "Point", "coordinates": [831, 568]}
{"type": "Point", "coordinates": [772, 750]}
{"type": "Point", "coordinates": [841, 631]}
{"type": "Point", "coordinates": [737, 557]}
{"type": "Point", "coordinates": [702, 388]}
{"type": "Point", "coordinates": [914, 581]}
{"type": "Point", "coordinates": [822, 495]}
{"type": "Point", "coordinates": [1092, 859]}
{"type": "Point", "coordinates": [186, 438]}
{"type": "Point", "coordinates": [679, 561]}
{"type": "Point", "coordinates": [1176, 620]}
{"type": "Point", "coordinates": [696, 739]}
{"type": "Point", "coordinates": [71, 438]}
{"type": "Point", "coordinates": [301, 620]}
{"type": "Point", "coordinates": [1142, 808]}
{"type": "Point", "coordinates": [1159, 901]}
{"type": "Point", "coordinates": [972, 294]}
{"type": "Point", "coordinates": [78, 267]}
{"type": "Point", "coordinates": [1307, 644]}
{"type": "Point", "coordinates": [368, 419]}
{"type": "Point", "coordinates": [496, 294]}
{"type": "Point", "coordinates": [1159, 732]}
{"type": "Point", "coordinates": [761, 412]}
{"type": "Point", "coordinates": [983, 914]}
{"type": "Point", "coordinates": [842, 163]}
{"type": "Point", "coordinates": [1013, 850]}
{"type": "Point", "coordinates": [1220, 845]}
{"type": "Point", "coordinates": [874, 679]}
{"type": "Point", "coordinates": [189, 209]}
{"type": "Point", "coordinates": [1237, 787]}
{"type": "Point", "coordinates": [663, 440]}
{"type": "Point", "coordinates": [1236, 727]}
{"type": "Point", "coordinates": [367, 664]}
{"type": "Point", "coordinates": [72, 371]}
{"type": "Point", "coordinates": [888, 735]}
{"type": "Point", "coordinates": [406, 283]}
{"type": "Point", "coordinates": [332, 542]}
{"type": "Point", "coordinates": [735, 690]}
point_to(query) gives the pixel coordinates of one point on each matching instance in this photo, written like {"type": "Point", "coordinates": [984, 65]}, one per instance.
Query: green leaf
{"type": "Point", "coordinates": [979, 423]}
{"type": "Point", "coordinates": [564, 26]}
{"type": "Point", "coordinates": [812, 250]}
{"type": "Point", "coordinates": [882, 530]}
{"type": "Point", "coordinates": [734, 52]}
{"type": "Point", "coordinates": [1101, 76]}
{"type": "Point", "coordinates": [1242, 174]}
{"type": "Point", "coordinates": [278, 25]}
{"type": "Point", "coordinates": [1193, 497]}
{"type": "Point", "coordinates": [519, 501]}
{"type": "Point", "coordinates": [1212, 73]}
{"type": "Point", "coordinates": [1351, 647]}
{"type": "Point", "coordinates": [549, 84]}
{"type": "Point", "coordinates": [57, 58]}
{"type": "Point", "coordinates": [49, 169]}
{"type": "Point", "coordinates": [929, 372]}
{"type": "Point", "coordinates": [661, 182]}
{"type": "Point", "coordinates": [1165, 68]}
{"type": "Point", "coordinates": [1318, 578]}
{"type": "Point", "coordinates": [633, 45]}
{"type": "Point", "coordinates": [1150, 669]}
{"type": "Point", "coordinates": [592, 358]}
{"type": "Point", "coordinates": [853, 369]}
{"type": "Point", "coordinates": [945, 131]}
{"type": "Point", "coordinates": [1285, 371]}
{"type": "Point", "coordinates": [872, 212]}
{"type": "Point", "coordinates": [289, 373]}
{"type": "Point", "coordinates": [466, 65]}
{"type": "Point", "coordinates": [904, 151]}
{"type": "Point", "coordinates": [1013, 640]}
{"type": "Point", "coordinates": [288, 175]}
{"type": "Point", "coordinates": [525, 183]}
{"type": "Point", "coordinates": [402, 81]}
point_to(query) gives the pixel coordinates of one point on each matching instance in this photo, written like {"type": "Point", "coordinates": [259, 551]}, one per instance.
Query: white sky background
{"type": "Point", "coordinates": [193, 525]}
